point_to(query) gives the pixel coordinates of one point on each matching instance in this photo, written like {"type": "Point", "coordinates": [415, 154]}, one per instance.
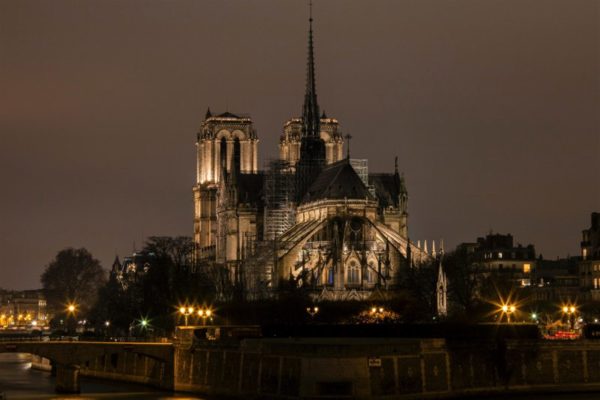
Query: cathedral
{"type": "Point", "coordinates": [314, 217]}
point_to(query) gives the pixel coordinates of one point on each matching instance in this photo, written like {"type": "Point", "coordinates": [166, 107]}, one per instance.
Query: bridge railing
{"type": "Point", "coordinates": [83, 339]}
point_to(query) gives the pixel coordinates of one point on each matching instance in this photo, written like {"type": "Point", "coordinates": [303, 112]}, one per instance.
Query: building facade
{"type": "Point", "coordinates": [497, 253]}
{"type": "Point", "coordinates": [315, 216]}
{"type": "Point", "coordinates": [23, 309]}
{"type": "Point", "coordinates": [589, 266]}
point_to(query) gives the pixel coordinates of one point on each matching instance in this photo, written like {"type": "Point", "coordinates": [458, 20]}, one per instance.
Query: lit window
{"type": "Point", "coordinates": [500, 255]}
{"type": "Point", "coordinates": [526, 268]}
{"type": "Point", "coordinates": [353, 273]}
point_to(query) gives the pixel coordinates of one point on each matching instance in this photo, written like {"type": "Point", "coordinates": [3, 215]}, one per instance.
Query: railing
{"type": "Point", "coordinates": [67, 339]}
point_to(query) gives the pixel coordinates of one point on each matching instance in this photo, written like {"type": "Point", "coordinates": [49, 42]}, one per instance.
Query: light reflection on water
{"type": "Point", "coordinates": [19, 381]}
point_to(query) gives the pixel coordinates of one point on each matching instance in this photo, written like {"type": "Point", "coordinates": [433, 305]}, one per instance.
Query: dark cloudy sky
{"type": "Point", "coordinates": [492, 107]}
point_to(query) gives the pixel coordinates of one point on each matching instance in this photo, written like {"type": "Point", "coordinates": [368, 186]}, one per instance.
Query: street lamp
{"type": "Point", "coordinates": [204, 313]}
{"type": "Point", "coordinates": [377, 310]}
{"type": "Point", "coordinates": [312, 311]}
{"type": "Point", "coordinates": [186, 312]}
{"type": "Point", "coordinates": [534, 316]}
{"type": "Point", "coordinates": [71, 312]}
{"type": "Point", "coordinates": [570, 311]}
{"type": "Point", "coordinates": [508, 309]}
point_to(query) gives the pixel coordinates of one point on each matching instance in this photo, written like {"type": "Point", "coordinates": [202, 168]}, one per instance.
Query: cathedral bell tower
{"type": "Point", "coordinates": [225, 142]}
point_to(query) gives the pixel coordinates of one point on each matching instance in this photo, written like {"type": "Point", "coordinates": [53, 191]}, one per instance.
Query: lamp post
{"type": "Point", "coordinates": [377, 310]}
{"type": "Point", "coordinates": [508, 309]}
{"type": "Point", "coordinates": [204, 313]}
{"type": "Point", "coordinates": [570, 313]}
{"type": "Point", "coordinates": [312, 311]}
{"type": "Point", "coordinates": [186, 312]}
{"type": "Point", "coordinates": [71, 312]}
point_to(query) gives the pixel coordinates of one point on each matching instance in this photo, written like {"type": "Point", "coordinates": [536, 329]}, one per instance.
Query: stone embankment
{"type": "Point", "coordinates": [211, 361]}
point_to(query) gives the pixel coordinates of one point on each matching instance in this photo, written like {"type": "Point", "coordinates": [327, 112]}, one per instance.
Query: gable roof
{"type": "Point", "coordinates": [338, 181]}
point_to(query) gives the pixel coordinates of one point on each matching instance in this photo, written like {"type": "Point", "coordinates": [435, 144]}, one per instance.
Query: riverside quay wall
{"type": "Point", "coordinates": [373, 368]}
{"type": "Point", "coordinates": [213, 361]}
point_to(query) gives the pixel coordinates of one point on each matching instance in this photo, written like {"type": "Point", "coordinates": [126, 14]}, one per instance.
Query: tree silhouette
{"type": "Point", "coordinates": [74, 276]}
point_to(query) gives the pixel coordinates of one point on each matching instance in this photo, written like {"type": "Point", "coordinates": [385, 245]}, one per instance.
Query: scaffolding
{"type": "Point", "coordinates": [279, 199]}
{"type": "Point", "coordinates": [361, 166]}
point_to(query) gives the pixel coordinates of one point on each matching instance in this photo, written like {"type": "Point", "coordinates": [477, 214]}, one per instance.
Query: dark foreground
{"type": "Point", "coordinates": [19, 381]}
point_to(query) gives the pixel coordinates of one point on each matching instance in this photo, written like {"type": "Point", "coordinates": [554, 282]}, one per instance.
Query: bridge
{"type": "Point", "coordinates": [67, 358]}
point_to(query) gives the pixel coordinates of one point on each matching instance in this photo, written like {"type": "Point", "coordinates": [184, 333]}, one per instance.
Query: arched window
{"type": "Point", "coordinates": [353, 273]}
{"type": "Point", "coordinates": [223, 153]}
{"type": "Point", "coordinates": [236, 154]}
{"type": "Point", "coordinates": [330, 276]}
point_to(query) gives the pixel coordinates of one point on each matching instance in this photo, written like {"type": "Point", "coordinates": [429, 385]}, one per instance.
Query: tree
{"type": "Point", "coordinates": [73, 276]}
{"type": "Point", "coordinates": [465, 275]}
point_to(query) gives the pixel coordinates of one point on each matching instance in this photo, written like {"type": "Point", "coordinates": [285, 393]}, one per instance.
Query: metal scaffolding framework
{"type": "Point", "coordinates": [279, 199]}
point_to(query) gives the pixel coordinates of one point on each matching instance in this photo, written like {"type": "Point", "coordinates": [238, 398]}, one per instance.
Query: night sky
{"type": "Point", "coordinates": [491, 106]}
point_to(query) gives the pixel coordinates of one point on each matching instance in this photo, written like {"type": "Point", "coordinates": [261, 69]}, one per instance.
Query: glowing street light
{"type": "Point", "coordinates": [508, 309]}
{"type": "Point", "coordinates": [377, 310]}
{"type": "Point", "coordinates": [534, 316]}
{"type": "Point", "coordinates": [570, 311]}
{"type": "Point", "coordinates": [312, 311]}
{"type": "Point", "coordinates": [204, 313]}
{"type": "Point", "coordinates": [186, 312]}
{"type": "Point", "coordinates": [71, 308]}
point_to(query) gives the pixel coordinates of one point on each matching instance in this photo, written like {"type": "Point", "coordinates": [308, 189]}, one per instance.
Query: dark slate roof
{"type": "Point", "coordinates": [227, 114]}
{"type": "Point", "coordinates": [387, 189]}
{"type": "Point", "coordinates": [251, 188]}
{"type": "Point", "coordinates": [337, 181]}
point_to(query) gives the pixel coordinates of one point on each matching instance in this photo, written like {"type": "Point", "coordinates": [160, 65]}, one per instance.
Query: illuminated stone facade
{"type": "Point", "coordinates": [320, 219]}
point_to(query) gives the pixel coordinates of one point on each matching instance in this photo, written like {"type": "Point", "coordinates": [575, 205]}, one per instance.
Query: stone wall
{"type": "Point", "coordinates": [127, 367]}
{"type": "Point", "coordinates": [377, 368]}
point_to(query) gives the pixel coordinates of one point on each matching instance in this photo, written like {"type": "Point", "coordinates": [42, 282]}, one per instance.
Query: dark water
{"type": "Point", "coordinates": [19, 381]}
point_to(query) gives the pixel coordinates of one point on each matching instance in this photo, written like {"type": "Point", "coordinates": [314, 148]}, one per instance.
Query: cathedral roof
{"type": "Point", "coordinates": [338, 181]}
{"type": "Point", "coordinates": [227, 114]}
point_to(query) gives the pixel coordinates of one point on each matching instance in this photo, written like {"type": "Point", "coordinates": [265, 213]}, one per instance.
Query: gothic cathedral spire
{"type": "Point", "coordinates": [312, 147]}
{"type": "Point", "coordinates": [310, 110]}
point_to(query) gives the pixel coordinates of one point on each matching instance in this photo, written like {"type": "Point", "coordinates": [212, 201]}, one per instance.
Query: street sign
{"type": "Point", "coordinates": [374, 362]}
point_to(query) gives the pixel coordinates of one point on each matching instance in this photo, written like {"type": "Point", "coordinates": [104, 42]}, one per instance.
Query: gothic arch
{"type": "Point", "coordinates": [223, 133]}
{"type": "Point", "coordinates": [238, 134]}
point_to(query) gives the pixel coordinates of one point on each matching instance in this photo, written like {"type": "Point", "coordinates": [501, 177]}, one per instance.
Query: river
{"type": "Point", "coordinates": [19, 381]}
